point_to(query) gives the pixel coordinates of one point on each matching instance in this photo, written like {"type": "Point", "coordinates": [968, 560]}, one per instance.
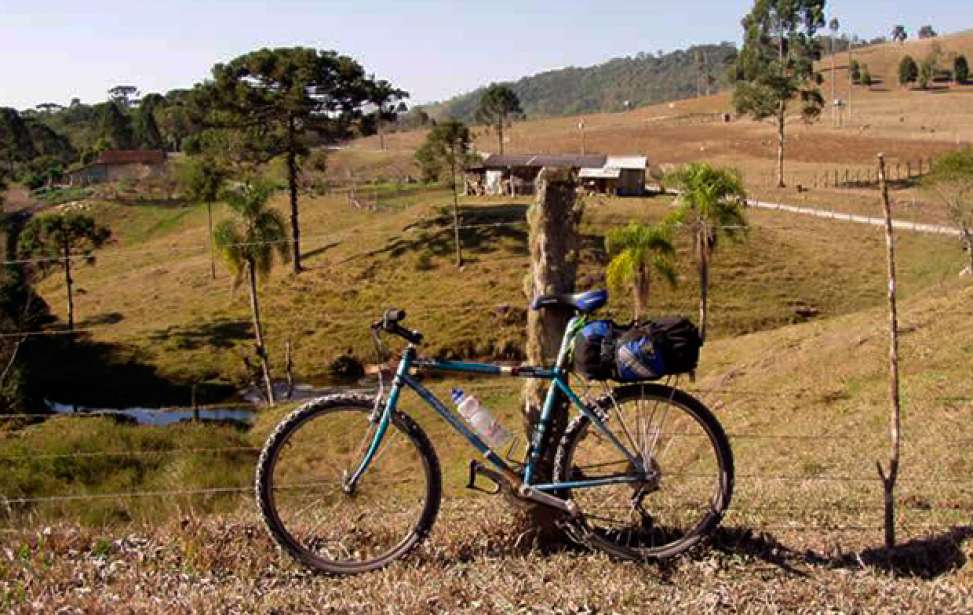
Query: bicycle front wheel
{"type": "Point", "coordinates": [682, 495]}
{"type": "Point", "coordinates": [313, 517]}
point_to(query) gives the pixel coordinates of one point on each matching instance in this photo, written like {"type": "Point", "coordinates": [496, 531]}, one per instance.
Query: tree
{"type": "Point", "coordinates": [927, 72]}
{"type": "Point", "coordinates": [248, 244]}
{"type": "Point", "coordinates": [116, 127]}
{"type": "Point", "coordinates": [710, 205]}
{"type": "Point", "coordinates": [908, 71]}
{"type": "Point", "coordinates": [124, 95]}
{"type": "Point", "coordinates": [961, 69]}
{"type": "Point", "coordinates": [866, 77]}
{"type": "Point", "coordinates": [203, 179]}
{"type": "Point", "coordinates": [146, 131]}
{"type": "Point", "coordinates": [776, 64]}
{"type": "Point", "coordinates": [498, 104]}
{"type": "Point", "coordinates": [16, 144]}
{"type": "Point", "coordinates": [58, 239]}
{"type": "Point", "coordinates": [899, 34]}
{"type": "Point", "coordinates": [927, 32]}
{"type": "Point", "coordinates": [951, 180]}
{"type": "Point", "coordinates": [447, 149]}
{"type": "Point", "coordinates": [637, 252]}
{"type": "Point", "coordinates": [277, 99]}
{"type": "Point", "coordinates": [856, 71]}
{"type": "Point", "coordinates": [389, 101]}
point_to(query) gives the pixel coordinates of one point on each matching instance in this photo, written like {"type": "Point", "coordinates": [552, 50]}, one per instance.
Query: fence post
{"type": "Point", "coordinates": [889, 477]}
{"type": "Point", "coordinates": [908, 169]}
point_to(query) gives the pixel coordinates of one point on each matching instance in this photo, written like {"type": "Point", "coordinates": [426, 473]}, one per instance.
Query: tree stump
{"type": "Point", "coordinates": [554, 249]}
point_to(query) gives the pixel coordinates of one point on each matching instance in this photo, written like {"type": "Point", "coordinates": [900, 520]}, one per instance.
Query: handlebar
{"type": "Point", "coordinates": [390, 323]}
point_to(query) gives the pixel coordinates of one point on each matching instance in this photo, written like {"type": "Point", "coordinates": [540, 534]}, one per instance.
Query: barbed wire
{"type": "Point", "coordinates": [418, 228]}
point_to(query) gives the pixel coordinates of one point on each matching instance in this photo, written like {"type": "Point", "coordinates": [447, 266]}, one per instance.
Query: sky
{"type": "Point", "coordinates": [53, 50]}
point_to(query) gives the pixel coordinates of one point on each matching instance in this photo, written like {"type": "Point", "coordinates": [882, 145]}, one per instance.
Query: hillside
{"type": "Point", "coordinates": [640, 80]}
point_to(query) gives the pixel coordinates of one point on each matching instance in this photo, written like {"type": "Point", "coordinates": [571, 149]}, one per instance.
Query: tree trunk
{"type": "Point", "coordinates": [212, 246]}
{"type": "Point", "coordinates": [703, 256]}
{"type": "Point", "coordinates": [452, 180]}
{"type": "Point", "coordinates": [258, 333]}
{"type": "Point", "coordinates": [292, 184]}
{"type": "Point", "coordinates": [500, 132]}
{"type": "Point", "coordinates": [69, 284]}
{"type": "Point", "coordinates": [889, 477]}
{"type": "Point", "coordinates": [780, 144]}
{"type": "Point", "coordinates": [554, 243]}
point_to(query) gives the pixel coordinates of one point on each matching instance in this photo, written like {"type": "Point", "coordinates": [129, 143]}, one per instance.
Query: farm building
{"type": "Point", "coordinates": [114, 165]}
{"type": "Point", "coordinates": [620, 175]}
{"type": "Point", "coordinates": [514, 174]}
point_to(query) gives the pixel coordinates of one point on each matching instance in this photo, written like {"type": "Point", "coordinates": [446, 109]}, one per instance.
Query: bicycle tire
{"type": "Point", "coordinates": [576, 432]}
{"type": "Point", "coordinates": [264, 484]}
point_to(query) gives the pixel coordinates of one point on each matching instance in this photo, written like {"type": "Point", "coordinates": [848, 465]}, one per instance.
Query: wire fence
{"type": "Point", "coordinates": [417, 229]}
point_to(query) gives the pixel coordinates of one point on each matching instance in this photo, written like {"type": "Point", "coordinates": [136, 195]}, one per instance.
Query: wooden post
{"type": "Point", "coordinates": [289, 369]}
{"type": "Point", "coordinates": [195, 406]}
{"type": "Point", "coordinates": [554, 246]}
{"type": "Point", "coordinates": [889, 477]}
{"type": "Point", "coordinates": [908, 169]}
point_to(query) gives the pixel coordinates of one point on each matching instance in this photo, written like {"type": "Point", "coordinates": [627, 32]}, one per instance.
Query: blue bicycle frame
{"type": "Point", "coordinates": [558, 377]}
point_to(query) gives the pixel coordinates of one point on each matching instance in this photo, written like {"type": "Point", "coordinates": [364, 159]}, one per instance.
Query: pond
{"type": "Point", "coordinates": [160, 417]}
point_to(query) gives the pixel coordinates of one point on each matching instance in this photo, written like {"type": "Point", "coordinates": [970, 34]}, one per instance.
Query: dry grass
{"type": "Point", "coordinates": [476, 566]}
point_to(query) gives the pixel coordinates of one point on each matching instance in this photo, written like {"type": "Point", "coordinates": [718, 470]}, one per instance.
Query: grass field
{"type": "Point", "coordinates": [795, 370]}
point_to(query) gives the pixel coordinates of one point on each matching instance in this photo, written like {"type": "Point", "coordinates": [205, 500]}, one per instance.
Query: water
{"type": "Point", "coordinates": [160, 418]}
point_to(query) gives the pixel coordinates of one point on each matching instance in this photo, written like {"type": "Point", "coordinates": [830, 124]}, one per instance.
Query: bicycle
{"type": "Point", "coordinates": [618, 483]}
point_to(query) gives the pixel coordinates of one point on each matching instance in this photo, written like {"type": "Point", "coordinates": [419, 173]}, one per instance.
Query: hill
{"type": "Point", "coordinates": [637, 80]}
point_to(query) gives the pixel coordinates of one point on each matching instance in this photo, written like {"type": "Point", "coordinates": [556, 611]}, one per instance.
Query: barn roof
{"type": "Point", "coordinates": [131, 156]}
{"type": "Point", "coordinates": [576, 161]}
{"type": "Point", "coordinates": [600, 173]}
{"type": "Point", "coordinates": [627, 162]}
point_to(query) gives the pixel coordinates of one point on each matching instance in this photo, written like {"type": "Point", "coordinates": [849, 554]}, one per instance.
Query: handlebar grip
{"type": "Point", "coordinates": [394, 316]}
{"type": "Point", "coordinates": [410, 335]}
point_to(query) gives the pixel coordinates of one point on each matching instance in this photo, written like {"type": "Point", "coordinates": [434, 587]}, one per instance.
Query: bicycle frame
{"type": "Point", "coordinates": [558, 377]}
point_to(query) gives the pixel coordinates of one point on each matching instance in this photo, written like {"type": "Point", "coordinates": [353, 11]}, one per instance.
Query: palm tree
{"type": "Point", "coordinates": [57, 240]}
{"type": "Point", "coordinates": [710, 204]}
{"type": "Point", "coordinates": [637, 251]}
{"type": "Point", "coordinates": [247, 245]}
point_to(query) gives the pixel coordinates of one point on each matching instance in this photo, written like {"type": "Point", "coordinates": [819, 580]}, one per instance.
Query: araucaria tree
{"type": "Point", "coordinates": [899, 34]}
{"type": "Point", "coordinates": [776, 64]}
{"type": "Point", "coordinates": [203, 179]}
{"type": "Point", "coordinates": [248, 244]}
{"type": "Point", "coordinates": [388, 101]}
{"type": "Point", "coordinates": [638, 251]}
{"type": "Point", "coordinates": [446, 151]}
{"type": "Point", "coordinates": [57, 240]}
{"type": "Point", "coordinates": [497, 105]}
{"type": "Point", "coordinates": [277, 99]}
{"type": "Point", "coordinates": [951, 180]}
{"type": "Point", "coordinates": [710, 205]}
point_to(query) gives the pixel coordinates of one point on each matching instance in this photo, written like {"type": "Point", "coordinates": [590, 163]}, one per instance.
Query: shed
{"type": "Point", "coordinates": [514, 174]}
{"type": "Point", "coordinates": [115, 165]}
{"type": "Point", "coordinates": [631, 174]}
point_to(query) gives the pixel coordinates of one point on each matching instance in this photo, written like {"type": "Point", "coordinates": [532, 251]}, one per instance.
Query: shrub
{"type": "Point", "coordinates": [908, 71]}
{"type": "Point", "coordinates": [961, 69]}
{"type": "Point", "coordinates": [856, 72]}
{"type": "Point", "coordinates": [866, 77]}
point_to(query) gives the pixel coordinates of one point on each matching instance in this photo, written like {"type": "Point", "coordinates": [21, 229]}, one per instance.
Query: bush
{"type": "Point", "coordinates": [908, 71]}
{"type": "Point", "coordinates": [961, 69]}
{"type": "Point", "coordinates": [866, 77]}
{"type": "Point", "coordinates": [856, 72]}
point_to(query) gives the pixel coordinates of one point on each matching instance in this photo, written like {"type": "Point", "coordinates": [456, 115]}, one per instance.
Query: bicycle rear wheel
{"type": "Point", "coordinates": [685, 492]}
{"type": "Point", "coordinates": [301, 494]}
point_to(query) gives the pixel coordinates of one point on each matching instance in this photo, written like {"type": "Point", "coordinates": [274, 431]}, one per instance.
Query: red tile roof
{"type": "Point", "coordinates": [131, 156]}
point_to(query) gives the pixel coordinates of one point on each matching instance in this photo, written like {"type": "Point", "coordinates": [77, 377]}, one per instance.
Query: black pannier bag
{"type": "Point", "coordinates": [605, 350]}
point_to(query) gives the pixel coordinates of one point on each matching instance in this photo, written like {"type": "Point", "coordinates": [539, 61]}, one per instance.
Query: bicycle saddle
{"type": "Point", "coordinates": [586, 302]}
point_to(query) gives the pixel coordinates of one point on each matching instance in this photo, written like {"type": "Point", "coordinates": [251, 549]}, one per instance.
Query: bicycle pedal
{"type": "Point", "coordinates": [478, 469]}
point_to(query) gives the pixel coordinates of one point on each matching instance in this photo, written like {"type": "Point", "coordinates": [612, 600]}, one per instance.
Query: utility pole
{"type": "Point", "coordinates": [851, 82]}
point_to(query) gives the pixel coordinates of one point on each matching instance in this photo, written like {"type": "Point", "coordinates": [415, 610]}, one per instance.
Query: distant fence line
{"type": "Point", "coordinates": [851, 177]}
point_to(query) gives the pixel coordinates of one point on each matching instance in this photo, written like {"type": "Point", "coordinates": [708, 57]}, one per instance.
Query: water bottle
{"type": "Point", "coordinates": [483, 423]}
